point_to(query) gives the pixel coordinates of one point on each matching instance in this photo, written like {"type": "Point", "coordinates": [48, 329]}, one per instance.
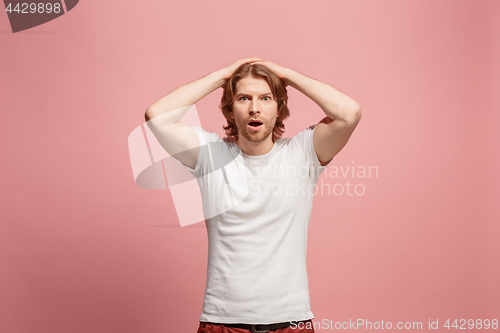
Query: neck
{"type": "Point", "coordinates": [255, 148]}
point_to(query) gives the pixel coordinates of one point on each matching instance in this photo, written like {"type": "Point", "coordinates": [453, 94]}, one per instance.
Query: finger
{"type": "Point", "coordinates": [261, 62]}
{"type": "Point", "coordinates": [253, 60]}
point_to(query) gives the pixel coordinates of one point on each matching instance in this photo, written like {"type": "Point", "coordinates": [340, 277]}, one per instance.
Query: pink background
{"type": "Point", "coordinates": [84, 249]}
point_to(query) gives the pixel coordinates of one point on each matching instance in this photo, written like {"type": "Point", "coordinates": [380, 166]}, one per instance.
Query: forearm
{"type": "Point", "coordinates": [334, 103]}
{"type": "Point", "coordinates": [184, 96]}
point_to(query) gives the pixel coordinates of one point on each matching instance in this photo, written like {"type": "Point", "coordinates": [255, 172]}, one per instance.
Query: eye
{"type": "Point", "coordinates": [243, 98]}
{"type": "Point", "coordinates": [267, 98]}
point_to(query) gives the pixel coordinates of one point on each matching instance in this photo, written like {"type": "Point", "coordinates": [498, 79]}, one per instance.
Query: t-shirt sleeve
{"type": "Point", "coordinates": [204, 163]}
{"type": "Point", "coordinates": [303, 141]}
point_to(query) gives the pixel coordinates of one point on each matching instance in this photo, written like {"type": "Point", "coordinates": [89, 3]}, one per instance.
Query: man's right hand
{"type": "Point", "coordinates": [229, 70]}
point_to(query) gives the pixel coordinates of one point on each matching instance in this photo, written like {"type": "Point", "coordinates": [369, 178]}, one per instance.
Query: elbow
{"type": "Point", "coordinates": [358, 113]}
{"type": "Point", "coordinates": [149, 114]}
{"type": "Point", "coordinates": [355, 113]}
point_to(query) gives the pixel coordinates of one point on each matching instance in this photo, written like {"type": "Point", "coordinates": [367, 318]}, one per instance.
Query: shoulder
{"type": "Point", "coordinates": [302, 143]}
{"type": "Point", "coordinates": [206, 137]}
{"type": "Point", "coordinates": [303, 137]}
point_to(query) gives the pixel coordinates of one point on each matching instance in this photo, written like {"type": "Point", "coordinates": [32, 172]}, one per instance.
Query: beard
{"type": "Point", "coordinates": [258, 136]}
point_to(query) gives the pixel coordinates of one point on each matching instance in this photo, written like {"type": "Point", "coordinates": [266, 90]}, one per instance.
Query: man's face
{"type": "Point", "coordinates": [254, 109]}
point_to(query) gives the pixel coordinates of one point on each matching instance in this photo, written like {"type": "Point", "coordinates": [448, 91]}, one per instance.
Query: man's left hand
{"type": "Point", "coordinates": [280, 71]}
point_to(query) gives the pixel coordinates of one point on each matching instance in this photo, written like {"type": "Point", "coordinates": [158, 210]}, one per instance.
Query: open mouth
{"type": "Point", "coordinates": [255, 125]}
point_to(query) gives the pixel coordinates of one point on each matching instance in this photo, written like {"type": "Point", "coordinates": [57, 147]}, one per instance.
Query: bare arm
{"type": "Point", "coordinates": [342, 112]}
{"type": "Point", "coordinates": [163, 117]}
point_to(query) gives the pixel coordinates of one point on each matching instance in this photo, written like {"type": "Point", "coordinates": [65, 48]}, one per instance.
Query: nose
{"type": "Point", "coordinates": [254, 108]}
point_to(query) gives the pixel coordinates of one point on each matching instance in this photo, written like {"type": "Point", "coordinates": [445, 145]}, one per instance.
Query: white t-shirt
{"type": "Point", "coordinates": [257, 211]}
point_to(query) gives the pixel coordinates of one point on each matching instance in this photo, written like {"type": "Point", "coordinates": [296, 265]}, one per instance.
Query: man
{"type": "Point", "coordinates": [256, 276]}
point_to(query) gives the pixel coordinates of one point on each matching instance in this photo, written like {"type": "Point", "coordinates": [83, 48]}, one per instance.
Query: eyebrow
{"type": "Point", "coordinates": [245, 94]}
